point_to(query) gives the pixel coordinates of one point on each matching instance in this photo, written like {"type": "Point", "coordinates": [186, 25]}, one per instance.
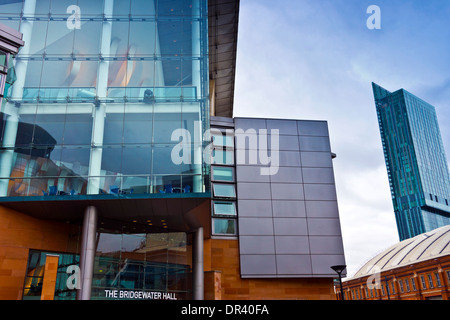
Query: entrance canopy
{"type": "Point", "coordinates": [130, 213]}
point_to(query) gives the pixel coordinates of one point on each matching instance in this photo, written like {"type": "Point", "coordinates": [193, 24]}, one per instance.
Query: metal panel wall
{"type": "Point", "coordinates": [288, 221]}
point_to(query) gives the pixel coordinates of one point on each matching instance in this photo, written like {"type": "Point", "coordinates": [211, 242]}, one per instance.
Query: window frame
{"type": "Point", "coordinates": [215, 214]}
{"type": "Point", "coordinates": [214, 185]}
{"type": "Point", "coordinates": [214, 232]}
{"type": "Point", "coordinates": [233, 173]}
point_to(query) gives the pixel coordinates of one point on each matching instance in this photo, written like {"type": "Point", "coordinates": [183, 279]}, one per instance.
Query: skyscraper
{"type": "Point", "coordinates": [415, 160]}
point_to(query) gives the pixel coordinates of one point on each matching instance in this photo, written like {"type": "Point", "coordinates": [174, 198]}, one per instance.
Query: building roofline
{"type": "Point", "coordinates": [426, 246]}
{"type": "Point", "coordinates": [10, 39]}
{"type": "Point", "coordinates": [223, 34]}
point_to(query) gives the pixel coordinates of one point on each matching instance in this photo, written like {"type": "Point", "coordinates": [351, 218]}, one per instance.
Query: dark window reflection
{"type": "Point", "coordinates": [136, 160]}
{"type": "Point", "coordinates": [113, 131]}
{"type": "Point", "coordinates": [78, 129]}
{"type": "Point", "coordinates": [138, 128]}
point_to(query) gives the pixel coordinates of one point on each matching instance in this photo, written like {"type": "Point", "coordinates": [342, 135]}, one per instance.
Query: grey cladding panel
{"type": "Point", "coordinates": [255, 226]}
{"type": "Point", "coordinates": [258, 264]}
{"type": "Point", "coordinates": [312, 143]}
{"type": "Point", "coordinates": [251, 174]}
{"type": "Point", "coordinates": [294, 264]}
{"type": "Point", "coordinates": [285, 127]}
{"type": "Point", "coordinates": [247, 190]}
{"type": "Point", "coordinates": [322, 209]}
{"type": "Point", "coordinates": [288, 209]}
{"type": "Point", "coordinates": [256, 245]}
{"type": "Point", "coordinates": [290, 226]}
{"type": "Point", "coordinates": [313, 128]}
{"type": "Point", "coordinates": [254, 208]}
{"type": "Point", "coordinates": [287, 175]}
{"type": "Point", "coordinates": [316, 159]}
{"type": "Point", "coordinates": [318, 175]}
{"type": "Point", "coordinates": [288, 222]}
{"type": "Point", "coordinates": [289, 158]}
{"type": "Point", "coordinates": [287, 143]}
{"type": "Point", "coordinates": [287, 191]}
{"type": "Point", "coordinates": [321, 264]}
{"type": "Point", "coordinates": [326, 245]}
{"type": "Point", "coordinates": [324, 226]}
{"type": "Point", "coordinates": [320, 192]}
{"type": "Point", "coordinates": [249, 123]}
{"type": "Point", "coordinates": [292, 244]}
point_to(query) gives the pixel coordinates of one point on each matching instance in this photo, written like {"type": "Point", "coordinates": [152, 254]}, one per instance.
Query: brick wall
{"type": "Point", "coordinates": [18, 234]}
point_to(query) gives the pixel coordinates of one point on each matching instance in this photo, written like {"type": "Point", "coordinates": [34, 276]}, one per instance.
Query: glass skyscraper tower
{"type": "Point", "coordinates": [415, 160]}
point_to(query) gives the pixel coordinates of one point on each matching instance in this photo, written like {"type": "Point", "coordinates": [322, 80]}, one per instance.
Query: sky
{"type": "Point", "coordinates": [316, 60]}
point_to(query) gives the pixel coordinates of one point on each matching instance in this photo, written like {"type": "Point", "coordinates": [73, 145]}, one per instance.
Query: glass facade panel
{"type": "Point", "coordinates": [224, 190]}
{"type": "Point", "coordinates": [222, 157]}
{"type": "Point", "coordinates": [156, 265]}
{"type": "Point", "coordinates": [35, 275]}
{"type": "Point", "coordinates": [223, 173]}
{"type": "Point", "coordinates": [223, 140]}
{"type": "Point", "coordinates": [224, 208]}
{"type": "Point", "coordinates": [97, 103]}
{"type": "Point", "coordinates": [224, 226]}
{"type": "Point", "coordinates": [2, 58]}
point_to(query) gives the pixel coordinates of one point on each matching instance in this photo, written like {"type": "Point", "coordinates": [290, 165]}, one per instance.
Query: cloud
{"type": "Point", "coordinates": [316, 60]}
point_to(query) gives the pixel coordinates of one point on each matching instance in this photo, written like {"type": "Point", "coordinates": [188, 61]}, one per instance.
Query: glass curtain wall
{"type": "Point", "coordinates": [102, 89]}
{"type": "Point", "coordinates": [155, 266]}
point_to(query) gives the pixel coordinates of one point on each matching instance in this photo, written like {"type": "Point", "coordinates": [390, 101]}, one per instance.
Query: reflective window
{"type": "Point", "coordinates": [155, 262]}
{"type": "Point", "coordinates": [136, 160]}
{"type": "Point", "coordinates": [222, 157]}
{"type": "Point", "coordinates": [224, 208]}
{"type": "Point", "coordinates": [35, 276]}
{"type": "Point", "coordinates": [78, 129]}
{"type": "Point", "coordinates": [2, 58]}
{"type": "Point", "coordinates": [223, 140]}
{"type": "Point", "coordinates": [138, 128]}
{"type": "Point", "coordinates": [223, 173]}
{"type": "Point", "coordinates": [113, 130]}
{"type": "Point", "coordinates": [224, 226]}
{"type": "Point", "coordinates": [224, 190]}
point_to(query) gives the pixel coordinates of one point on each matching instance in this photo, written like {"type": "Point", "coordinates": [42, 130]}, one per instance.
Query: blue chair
{"type": "Point", "coordinates": [53, 190]}
{"type": "Point", "coordinates": [168, 188]}
{"type": "Point", "coordinates": [114, 189]}
{"type": "Point", "coordinates": [187, 189]}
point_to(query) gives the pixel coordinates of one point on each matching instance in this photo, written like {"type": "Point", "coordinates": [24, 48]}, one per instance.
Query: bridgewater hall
{"type": "Point", "coordinates": [124, 175]}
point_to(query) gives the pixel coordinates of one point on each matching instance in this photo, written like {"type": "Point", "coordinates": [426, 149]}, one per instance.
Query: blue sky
{"type": "Point", "coordinates": [316, 59]}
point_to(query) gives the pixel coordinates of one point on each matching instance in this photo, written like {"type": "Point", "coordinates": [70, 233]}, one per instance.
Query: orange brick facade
{"type": "Point", "coordinates": [20, 232]}
{"type": "Point", "coordinates": [423, 280]}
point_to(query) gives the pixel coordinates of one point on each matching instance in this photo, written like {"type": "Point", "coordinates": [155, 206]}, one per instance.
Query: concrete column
{"type": "Point", "coordinates": [198, 278]}
{"type": "Point", "coordinates": [87, 252]}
